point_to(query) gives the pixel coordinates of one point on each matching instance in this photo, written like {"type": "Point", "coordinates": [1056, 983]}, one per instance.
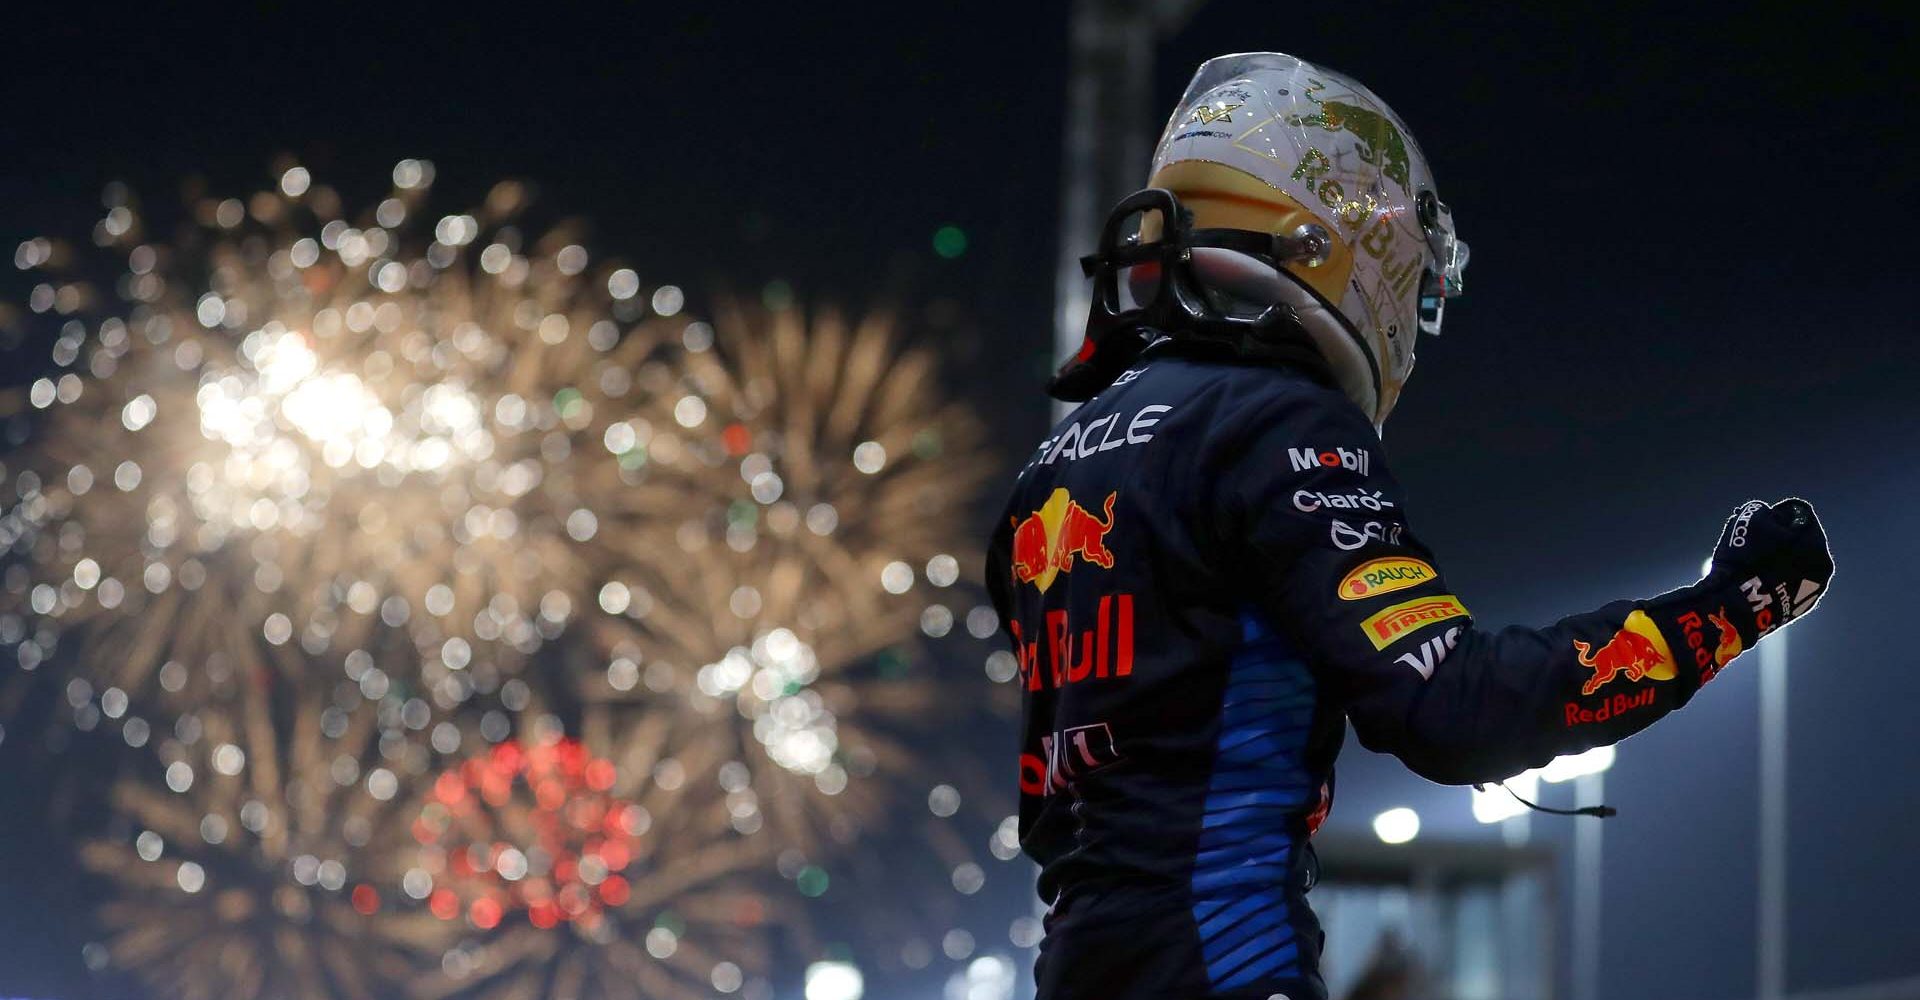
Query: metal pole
{"type": "Point", "coordinates": [1109, 134]}
{"type": "Point", "coordinates": [1520, 927]}
{"type": "Point", "coordinates": [1772, 940]}
{"type": "Point", "coordinates": [1109, 113]}
{"type": "Point", "coordinates": [1516, 830]}
{"type": "Point", "coordinates": [1590, 790]}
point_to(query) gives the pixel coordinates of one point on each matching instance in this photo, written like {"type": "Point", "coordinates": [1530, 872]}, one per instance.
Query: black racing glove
{"type": "Point", "coordinates": [1771, 566]}
{"type": "Point", "coordinates": [1777, 557]}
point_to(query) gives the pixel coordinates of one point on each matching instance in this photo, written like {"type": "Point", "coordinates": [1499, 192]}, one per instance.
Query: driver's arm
{"type": "Point", "coordinates": [1333, 564]}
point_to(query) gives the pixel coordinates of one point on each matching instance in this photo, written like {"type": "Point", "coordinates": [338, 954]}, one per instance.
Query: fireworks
{"type": "Point", "coordinates": [301, 485]}
{"type": "Point", "coordinates": [591, 876]}
{"type": "Point", "coordinates": [263, 862]}
{"type": "Point", "coordinates": [308, 830]}
{"type": "Point", "coordinates": [298, 426]}
{"type": "Point", "coordinates": [824, 482]}
{"type": "Point", "coordinates": [580, 839]}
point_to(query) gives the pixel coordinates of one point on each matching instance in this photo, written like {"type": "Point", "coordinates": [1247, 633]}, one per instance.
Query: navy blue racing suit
{"type": "Point", "coordinates": [1205, 572]}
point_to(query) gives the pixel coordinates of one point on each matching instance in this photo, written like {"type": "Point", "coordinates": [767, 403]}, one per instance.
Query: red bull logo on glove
{"type": "Point", "coordinates": [1046, 542]}
{"type": "Point", "coordinates": [1637, 651]}
{"type": "Point", "coordinates": [1710, 660]}
{"type": "Point", "coordinates": [1730, 645]}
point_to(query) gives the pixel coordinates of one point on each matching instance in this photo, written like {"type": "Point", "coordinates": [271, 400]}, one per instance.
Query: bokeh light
{"type": "Point", "coordinates": [300, 424]}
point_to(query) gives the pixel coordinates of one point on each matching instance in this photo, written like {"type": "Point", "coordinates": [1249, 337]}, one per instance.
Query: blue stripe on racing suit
{"type": "Point", "coordinates": [1243, 864]}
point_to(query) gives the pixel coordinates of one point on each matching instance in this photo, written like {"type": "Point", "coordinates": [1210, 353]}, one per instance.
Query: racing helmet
{"type": "Point", "coordinates": [1282, 189]}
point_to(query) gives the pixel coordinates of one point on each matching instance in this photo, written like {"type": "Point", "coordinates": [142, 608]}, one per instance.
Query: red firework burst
{"type": "Point", "coordinates": [529, 827]}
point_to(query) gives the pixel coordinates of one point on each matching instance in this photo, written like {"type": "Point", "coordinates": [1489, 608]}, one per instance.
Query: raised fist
{"type": "Point", "coordinates": [1777, 557]}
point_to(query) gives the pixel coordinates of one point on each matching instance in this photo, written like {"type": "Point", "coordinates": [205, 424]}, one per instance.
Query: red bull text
{"type": "Point", "coordinates": [1619, 704]}
{"type": "Point", "coordinates": [1106, 650]}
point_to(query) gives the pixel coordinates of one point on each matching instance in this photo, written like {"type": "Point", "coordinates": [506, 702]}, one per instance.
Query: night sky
{"type": "Point", "coordinates": [1690, 286]}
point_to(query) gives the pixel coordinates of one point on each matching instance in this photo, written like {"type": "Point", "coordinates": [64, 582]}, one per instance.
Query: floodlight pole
{"type": "Point", "coordinates": [1772, 939]}
{"type": "Point", "coordinates": [1589, 790]}
{"type": "Point", "coordinates": [1108, 134]}
{"type": "Point", "coordinates": [1517, 899]}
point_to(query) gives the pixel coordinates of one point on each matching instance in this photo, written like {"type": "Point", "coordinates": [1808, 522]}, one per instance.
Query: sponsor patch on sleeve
{"type": "Point", "coordinates": [1384, 576]}
{"type": "Point", "coordinates": [1389, 625]}
{"type": "Point", "coordinates": [1638, 651]}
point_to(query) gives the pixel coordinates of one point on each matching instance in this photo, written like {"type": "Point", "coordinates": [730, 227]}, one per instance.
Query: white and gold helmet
{"type": "Point", "coordinates": [1269, 143]}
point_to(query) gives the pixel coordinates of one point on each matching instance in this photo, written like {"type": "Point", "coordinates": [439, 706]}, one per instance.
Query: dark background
{"type": "Point", "coordinates": [1693, 239]}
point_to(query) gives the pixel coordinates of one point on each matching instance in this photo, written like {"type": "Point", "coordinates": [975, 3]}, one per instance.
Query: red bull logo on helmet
{"type": "Point", "coordinates": [1636, 651]}
{"type": "Point", "coordinates": [1047, 542]}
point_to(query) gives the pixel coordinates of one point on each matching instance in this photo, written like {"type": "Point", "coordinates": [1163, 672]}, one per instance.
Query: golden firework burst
{"type": "Point", "coordinates": [260, 850]}
{"type": "Point", "coordinates": [300, 425]}
{"type": "Point", "coordinates": [304, 484]}
{"type": "Point", "coordinates": [826, 485]}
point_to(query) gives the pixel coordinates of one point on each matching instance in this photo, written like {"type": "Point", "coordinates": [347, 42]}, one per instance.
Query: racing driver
{"type": "Point", "coordinates": [1206, 570]}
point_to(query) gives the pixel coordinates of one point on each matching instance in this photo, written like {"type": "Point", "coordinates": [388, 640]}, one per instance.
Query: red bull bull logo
{"type": "Point", "coordinates": [1046, 542]}
{"type": "Point", "coordinates": [1053, 651]}
{"type": "Point", "coordinates": [1637, 651]}
{"type": "Point", "coordinates": [1730, 645]}
{"type": "Point", "coordinates": [1709, 661]}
